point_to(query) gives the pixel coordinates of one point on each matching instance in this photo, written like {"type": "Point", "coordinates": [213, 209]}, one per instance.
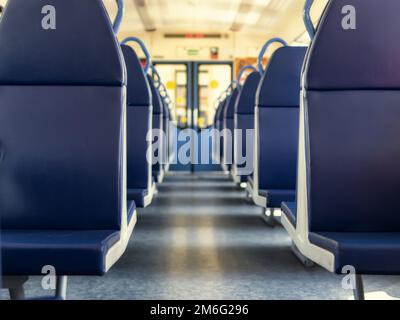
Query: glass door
{"type": "Point", "coordinates": [210, 79]}
{"type": "Point", "coordinates": [177, 77]}
{"type": "Point", "coordinates": [194, 88]}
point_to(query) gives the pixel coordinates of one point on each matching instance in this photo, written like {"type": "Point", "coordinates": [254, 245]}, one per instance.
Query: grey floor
{"type": "Point", "coordinates": [201, 239]}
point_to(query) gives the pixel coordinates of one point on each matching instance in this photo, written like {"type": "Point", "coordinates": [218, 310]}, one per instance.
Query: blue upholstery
{"type": "Point", "coordinates": [354, 161]}
{"type": "Point", "coordinates": [244, 115]}
{"type": "Point", "coordinates": [138, 195]}
{"type": "Point", "coordinates": [246, 100]}
{"type": "Point", "coordinates": [71, 252]}
{"type": "Point", "coordinates": [229, 111]}
{"type": "Point", "coordinates": [220, 126]}
{"type": "Point", "coordinates": [276, 197]}
{"type": "Point", "coordinates": [138, 91]}
{"type": "Point", "coordinates": [221, 110]}
{"type": "Point", "coordinates": [157, 123]}
{"type": "Point", "coordinates": [229, 124]}
{"type": "Point", "coordinates": [217, 126]}
{"type": "Point", "coordinates": [278, 122]}
{"type": "Point", "coordinates": [352, 130]}
{"type": "Point", "coordinates": [166, 130]}
{"type": "Point", "coordinates": [375, 51]}
{"type": "Point", "coordinates": [277, 156]}
{"type": "Point", "coordinates": [368, 252]}
{"type": "Point", "coordinates": [62, 116]}
{"type": "Point", "coordinates": [280, 85]}
{"type": "Point", "coordinates": [56, 61]}
{"type": "Point", "coordinates": [156, 98]}
{"type": "Point", "coordinates": [139, 122]}
{"type": "Point", "coordinates": [218, 114]}
{"type": "Point", "coordinates": [289, 209]}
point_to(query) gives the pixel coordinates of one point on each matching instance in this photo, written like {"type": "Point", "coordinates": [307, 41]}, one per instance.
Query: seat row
{"type": "Point", "coordinates": [76, 135]}
{"type": "Point", "coordinates": [325, 148]}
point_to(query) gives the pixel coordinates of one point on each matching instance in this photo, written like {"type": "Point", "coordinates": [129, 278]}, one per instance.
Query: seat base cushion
{"type": "Point", "coordinates": [276, 197]}
{"type": "Point", "coordinates": [138, 195]}
{"type": "Point", "coordinates": [289, 209]}
{"type": "Point", "coordinates": [368, 253]}
{"type": "Point", "coordinates": [70, 252]}
{"type": "Point", "coordinates": [141, 197]}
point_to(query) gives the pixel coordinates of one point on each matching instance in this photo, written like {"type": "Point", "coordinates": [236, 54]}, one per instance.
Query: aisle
{"type": "Point", "coordinates": [201, 239]}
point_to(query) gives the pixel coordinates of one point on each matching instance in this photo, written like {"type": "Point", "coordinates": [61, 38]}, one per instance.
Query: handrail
{"type": "Point", "coordinates": [162, 88]}
{"type": "Point", "coordinates": [243, 70]}
{"type": "Point", "coordinates": [144, 49]}
{"type": "Point", "coordinates": [227, 91]}
{"type": "Point", "coordinates": [120, 15]}
{"type": "Point", "coordinates": [157, 82]}
{"type": "Point", "coordinates": [307, 18]}
{"type": "Point", "coordinates": [265, 48]}
{"type": "Point", "coordinates": [233, 84]}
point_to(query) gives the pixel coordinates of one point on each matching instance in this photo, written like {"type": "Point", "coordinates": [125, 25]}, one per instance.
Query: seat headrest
{"type": "Point", "coordinates": [247, 98]}
{"type": "Point", "coordinates": [138, 89]}
{"type": "Point", "coordinates": [280, 85]}
{"type": "Point", "coordinates": [230, 108]}
{"type": "Point", "coordinates": [367, 57]}
{"type": "Point", "coordinates": [81, 50]}
{"type": "Point", "coordinates": [157, 103]}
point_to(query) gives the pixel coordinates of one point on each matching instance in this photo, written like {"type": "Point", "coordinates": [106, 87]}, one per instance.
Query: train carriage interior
{"type": "Point", "coordinates": [234, 150]}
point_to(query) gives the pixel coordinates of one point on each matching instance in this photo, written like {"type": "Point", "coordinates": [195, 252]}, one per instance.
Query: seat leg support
{"type": "Point", "coordinates": [304, 260]}
{"type": "Point", "coordinates": [61, 287]}
{"type": "Point", "coordinates": [15, 286]}
{"type": "Point", "coordinates": [358, 288]}
{"type": "Point", "coordinates": [17, 293]}
{"type": "Point", "coordinates": [269, 219]}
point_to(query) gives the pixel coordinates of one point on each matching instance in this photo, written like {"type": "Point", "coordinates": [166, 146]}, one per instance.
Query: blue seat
{"type": "Point", "coordinates": [228, 114]}
{"type": "Point", "coordinates": [139, 120]}
{"type": "Point", "coordinates": [216, 133]}
{"type": "Point", "coordinates": [219, 127]}
{"type": "Point", "coordinates": [368, 252]}
{"type": "Point", "coordinates": [289, 209]}
{"type": "Point", "coordinates": [70, 252]}
{"type": "Point", "coordinates": [277, 127]}
{"type": "Point", "coordinates": [173, 135]}
{"type": "Point", "coordinates": [166, 124]}
{"type": "Point", "coordinates": [62, 198]}
{"type": "Point", "coordinates": [157, 124]}
{"type": "Point", "coordinates": [275, 197]}
{"type": "Point", "coordinates": [243, 121]}
{"type": "Point", "coordinates": [349, 155]}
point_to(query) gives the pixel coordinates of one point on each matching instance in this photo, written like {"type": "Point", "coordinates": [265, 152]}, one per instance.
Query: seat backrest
{"type": "Point", "coordinates": [158, 123]}
{"type": "Point", "coordinates": [220, 126]}
{"type": "Point", "coordinates": [229, 111]}
{"type": "Point", "coordinates": [246, 100]}
{"type": "Point", "coordinates": [244, 117]}
{"type": "Point", "coordinates": [221, 112]}
{"type": "Point", "coordinates": [139, 121]}
{"type": "Point", "coordinates": [166, 130]}
{"type": "Point", "coordinates": [217, 125]}
{"type": "Point", "coordinates": [352, 127]}
{"type": "Point", "coordinates": [62, 116]}
{"type": "Point", "coordinates": [229, 115]}
{"type": "Point", "coordinates": [277, 117]}
{"type": "Point", "coordinates": [138, 89]}
{"type": "Point", "coordinates": [157, 103]}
